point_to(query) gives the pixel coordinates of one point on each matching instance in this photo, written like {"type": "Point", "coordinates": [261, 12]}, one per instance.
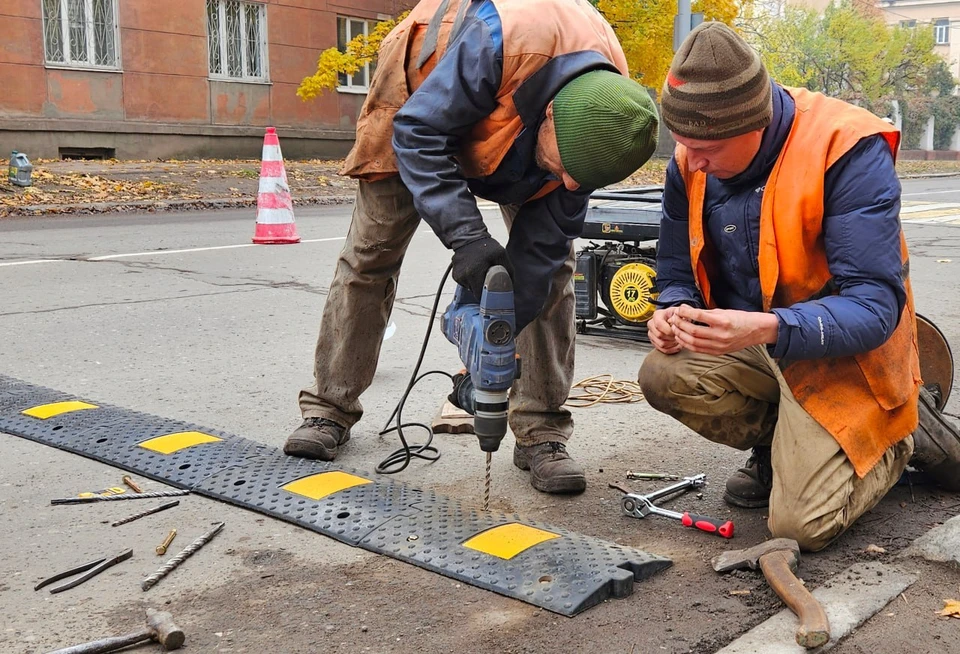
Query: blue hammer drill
{"type": "Point", "coordinates": [485, 338]}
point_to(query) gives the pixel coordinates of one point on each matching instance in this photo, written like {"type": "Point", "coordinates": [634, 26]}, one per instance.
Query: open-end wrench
{"type": "Point", "coordinates": [640, 506]}
{"type": "Point", "coordinates": [696, 481]}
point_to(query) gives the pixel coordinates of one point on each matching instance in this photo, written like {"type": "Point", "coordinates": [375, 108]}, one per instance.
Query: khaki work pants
{"type": "Point", "coordinates": [361, 299]}
{"type": "Point", "coordinates": [742, 400]}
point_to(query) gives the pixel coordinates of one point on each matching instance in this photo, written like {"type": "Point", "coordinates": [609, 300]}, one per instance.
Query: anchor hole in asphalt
{"type": "Point", "coordinates": [545, 579]}
{"type": "Point", "coordinates": [240, 482]}
{"type": "Point", "coordinates": [343, 514]}
{"type": "Point", "coordinates": [184, 466]}
{"type": "Point", "coordinates": [58, 428]}
{"type": "Point", "coordinates": [101, 440]}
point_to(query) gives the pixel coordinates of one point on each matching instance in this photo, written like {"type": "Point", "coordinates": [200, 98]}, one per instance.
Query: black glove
{"type": "Point", "coordinates": [472, 261]}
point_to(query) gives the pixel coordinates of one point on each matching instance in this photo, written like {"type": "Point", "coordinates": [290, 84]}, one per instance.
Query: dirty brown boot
{"type": "Point", "coordinates": [749, 487]}
{"type": "Point", "coordinates": [551, 468]}
{"type": "Point", "coordinates": [316, 438]}
{"type": "Point", "coordinates": [936, 444]}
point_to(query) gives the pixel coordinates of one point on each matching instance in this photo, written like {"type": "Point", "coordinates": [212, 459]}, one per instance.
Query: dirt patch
{"type": "Point", "coordinates": [911, 622]}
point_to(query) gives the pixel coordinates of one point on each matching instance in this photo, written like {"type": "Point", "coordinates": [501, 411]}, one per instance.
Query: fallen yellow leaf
{"type": "Point", "coordinates": [951, 608]}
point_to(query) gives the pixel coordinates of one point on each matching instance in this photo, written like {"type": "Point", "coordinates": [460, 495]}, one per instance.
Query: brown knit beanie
{"type": "Point", "coordinates": [717, 87]}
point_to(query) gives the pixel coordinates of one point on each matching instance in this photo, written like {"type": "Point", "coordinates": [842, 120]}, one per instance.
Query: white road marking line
{"type": "Point", "coordinates": [931, 206]}
{"type": "Point", "coordinates": [151, 253]}
{"type": "Point", "coordinates": [910, 195]}
{"type": "Point", "coordinates": [31, 261]}
{"type": "Point", "coordinates": [206, 249]}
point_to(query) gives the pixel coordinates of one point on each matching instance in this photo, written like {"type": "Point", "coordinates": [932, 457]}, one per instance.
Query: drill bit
{"type": "Point", "coordinates": [486, 483]}
{"type": "Point", "coordinates": [137, 516]}
{"type": "Point", "coordinates": [170, 565]}
{"type": "Point", "coordinates": [117, 498]}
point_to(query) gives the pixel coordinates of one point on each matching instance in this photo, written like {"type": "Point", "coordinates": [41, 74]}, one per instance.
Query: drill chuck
{"type": "Point", "coordinates": [490, 418]}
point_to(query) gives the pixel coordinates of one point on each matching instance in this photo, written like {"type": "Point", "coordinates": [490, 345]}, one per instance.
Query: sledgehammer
{"type": "Point", "coordinates": [778, 558]}
{"type": "Point", "coordinates": [160, 627]}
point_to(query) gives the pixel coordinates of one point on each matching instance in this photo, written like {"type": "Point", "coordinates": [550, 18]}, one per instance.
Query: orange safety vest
{"type": "Point", "coordinates": [868, 401]}
{"type": "Point", "coordinates": [534, 32]}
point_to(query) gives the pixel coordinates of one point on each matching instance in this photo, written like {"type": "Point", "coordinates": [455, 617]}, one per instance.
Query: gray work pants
{"type": "Point", "coordinates": [361, 299]}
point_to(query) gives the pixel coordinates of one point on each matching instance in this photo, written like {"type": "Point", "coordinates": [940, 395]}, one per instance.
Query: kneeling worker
{"type": "Point", "coordinates": [787, 322]}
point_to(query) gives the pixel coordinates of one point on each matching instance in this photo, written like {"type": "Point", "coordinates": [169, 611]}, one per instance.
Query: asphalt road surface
{"type": "Point", "coordinates": [179, 316]}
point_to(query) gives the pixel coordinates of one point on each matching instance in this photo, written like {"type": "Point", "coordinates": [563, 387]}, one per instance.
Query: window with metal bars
{"type": "Point", "coordinates": [81, 33]}
{"type": "Point", "coordinates": [236, 40]}
{"type": "Point", "coordinates": [347, 29]}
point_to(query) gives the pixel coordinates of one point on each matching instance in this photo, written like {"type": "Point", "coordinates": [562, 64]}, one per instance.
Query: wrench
{"type": "Point", "coordinates": [641, 502]}
{"type": "Point", "coordinates": [640, 506]}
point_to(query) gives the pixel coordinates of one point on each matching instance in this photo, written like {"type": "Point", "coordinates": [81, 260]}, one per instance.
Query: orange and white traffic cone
{"type": "Point", "coordinates": [275, 223]}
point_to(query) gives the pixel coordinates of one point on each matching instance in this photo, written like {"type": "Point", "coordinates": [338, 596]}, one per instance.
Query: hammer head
{"type": "Point", "coordinates": [750, 557]}
{"type": "Point", "coordinates": [169, 635]}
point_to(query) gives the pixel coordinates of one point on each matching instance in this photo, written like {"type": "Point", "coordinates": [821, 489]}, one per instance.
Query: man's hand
{"type": "Point", "coordinates": [472, 261]}
{"type": "Point", "coordinates": [661, 332]}
{"type": "Point", "coordinates": [722, 331]}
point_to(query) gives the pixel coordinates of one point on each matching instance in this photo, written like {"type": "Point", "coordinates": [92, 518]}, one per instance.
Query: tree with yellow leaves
{"type": "Point", "coordinates": [645, 30]}
{"type": "Point", "coordinates": [360, 51]}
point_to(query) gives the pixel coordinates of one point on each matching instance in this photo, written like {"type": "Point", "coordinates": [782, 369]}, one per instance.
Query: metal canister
{"type": "Point", "coordinates": [21, 170]}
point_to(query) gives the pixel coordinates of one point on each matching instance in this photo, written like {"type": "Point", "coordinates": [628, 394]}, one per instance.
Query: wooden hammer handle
{"type": "Point", "coordinates": [814, 630]}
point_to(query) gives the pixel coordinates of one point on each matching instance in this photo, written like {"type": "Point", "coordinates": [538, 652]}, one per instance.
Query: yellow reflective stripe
{"type": "Point", "coordinates": [45, 411]}
{"type": "Point", "coordinates": [506, 541]}
{"type": "Point", "coordinates": [180, 440]}
{"type": "Point", "coordinates": [323, 484]}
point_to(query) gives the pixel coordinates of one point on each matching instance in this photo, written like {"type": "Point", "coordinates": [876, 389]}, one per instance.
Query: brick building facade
{"type": "Point", "coordinates": [140, 79]}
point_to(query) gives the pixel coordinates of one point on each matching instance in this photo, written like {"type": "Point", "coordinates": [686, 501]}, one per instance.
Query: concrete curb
{"type": "Point", "coordinates": [940, 544]}
{"type": "Point", "coordinates": [849, 599]}
{"type": "Point", "coordinates": [154, 206]}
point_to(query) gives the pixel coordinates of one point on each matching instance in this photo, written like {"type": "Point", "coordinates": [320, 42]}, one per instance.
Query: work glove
{"type": "Point", "coordinates": [472, 261]}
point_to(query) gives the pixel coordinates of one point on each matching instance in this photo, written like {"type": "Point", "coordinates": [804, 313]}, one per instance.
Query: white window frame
{"type": "Point", "coordinates": [350, 87]}
{"type": "Point", "coordinates": [941, 31]}
{"type": "Point", "coordinates": [224, 76]}
{"type": "Point", "coordinates": [908, 24]}
{"type": "Point", "coordinates": [68, 62]}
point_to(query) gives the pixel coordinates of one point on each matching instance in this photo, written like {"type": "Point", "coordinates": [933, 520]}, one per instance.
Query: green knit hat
{"type": "Point", "coordinates": [607, 127]}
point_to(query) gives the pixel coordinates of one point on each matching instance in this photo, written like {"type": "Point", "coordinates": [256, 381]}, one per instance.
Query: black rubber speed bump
{"type": "Point", "coordinates": [554, 568]}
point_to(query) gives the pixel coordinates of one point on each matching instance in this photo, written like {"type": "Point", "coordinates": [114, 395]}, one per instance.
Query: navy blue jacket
{"type": "Point", "coordinates": [459, 93]}
{"type": "Point", "coordinates": [861, 227]}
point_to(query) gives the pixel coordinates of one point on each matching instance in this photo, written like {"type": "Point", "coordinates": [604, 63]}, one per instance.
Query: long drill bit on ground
{"type": "Point", "coordinates": [143, 514]}
{"type": "Point", "coordinates": [486, 483]}
{"type": "Point", "coordinates": [171, 565]}
{"type": "Point", "coordinates": [119, 498]}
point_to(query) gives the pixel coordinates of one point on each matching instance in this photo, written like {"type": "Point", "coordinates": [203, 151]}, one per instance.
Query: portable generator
{"type": "Point", "coordinates": [615, 277]}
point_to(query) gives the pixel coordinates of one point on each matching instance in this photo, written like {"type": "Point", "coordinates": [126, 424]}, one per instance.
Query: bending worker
{"type": "Point", "coordinates": [523, 102]}
{"type": "Point", "coordinates": [787, 322]}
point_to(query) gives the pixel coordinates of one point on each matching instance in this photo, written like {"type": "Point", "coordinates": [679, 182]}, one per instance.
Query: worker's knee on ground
{"type": "Point", "coordinates": [658, 380]}
{"type": "Point", "coordinates": [811, 535]}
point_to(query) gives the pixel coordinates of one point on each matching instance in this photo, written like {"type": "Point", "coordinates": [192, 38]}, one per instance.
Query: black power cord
{"type": "Point", "coordinates": [399, 459]}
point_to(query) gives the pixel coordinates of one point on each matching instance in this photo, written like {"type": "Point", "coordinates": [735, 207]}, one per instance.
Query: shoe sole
{"type": "Point", "coordinates": [308, 448]}
{"type": "Point", "coordinates": [555, 485]}
{"type": "Point", "coordinates": [744, 503]}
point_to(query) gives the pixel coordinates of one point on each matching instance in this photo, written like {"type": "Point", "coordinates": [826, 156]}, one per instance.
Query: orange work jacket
{"type": "Point", "coordinates": [868, 401]}
{"type": "Point", "coordinates": [534, 32]}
